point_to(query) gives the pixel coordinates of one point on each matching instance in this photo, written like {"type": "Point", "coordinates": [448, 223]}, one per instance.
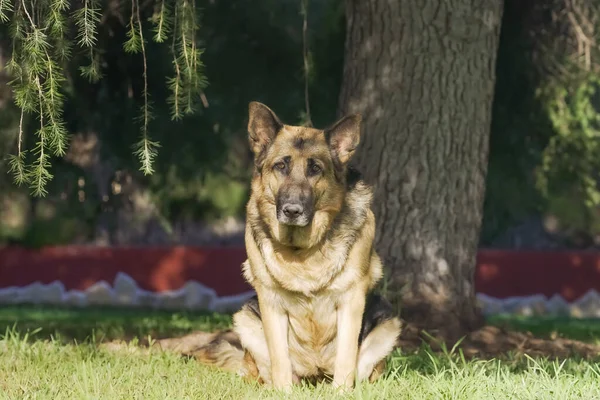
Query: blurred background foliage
{"type": "Point", "coordinates": [542, 186]}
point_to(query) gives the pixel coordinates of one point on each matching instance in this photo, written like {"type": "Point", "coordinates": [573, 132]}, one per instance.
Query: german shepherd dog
{"type": "Point", "coordinates": [309, 240]}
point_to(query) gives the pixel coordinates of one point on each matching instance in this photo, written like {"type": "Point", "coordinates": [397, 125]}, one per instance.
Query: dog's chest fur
{"type": "Point", "coordinates": [310, 274]}
{"type": "Point", "coordinates": [312, 333]}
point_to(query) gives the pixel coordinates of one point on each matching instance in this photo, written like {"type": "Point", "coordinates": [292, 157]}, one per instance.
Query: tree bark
{"type": "Point", "coordinates": [422, 75]}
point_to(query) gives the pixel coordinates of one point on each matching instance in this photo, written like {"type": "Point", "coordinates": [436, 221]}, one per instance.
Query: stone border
{"type": "Point", "coordinates": [195, 296]}
{"type": "Point", "coordinates": [587, 306]}
{"type": "Point", "coordinates": [126, 293]}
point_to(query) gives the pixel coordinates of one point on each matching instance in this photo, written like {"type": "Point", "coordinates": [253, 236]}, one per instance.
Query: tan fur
{"type": "Point", "coordinates": [311, 281]}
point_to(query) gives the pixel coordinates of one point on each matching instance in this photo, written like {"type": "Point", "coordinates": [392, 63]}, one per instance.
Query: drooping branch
{"type": "Point", "coordinates": [41, 48]}
{"type": "Point", "coordinates": [306, 58]}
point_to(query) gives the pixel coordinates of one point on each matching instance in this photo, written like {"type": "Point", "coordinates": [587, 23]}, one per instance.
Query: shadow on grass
{"type": "Point", "coordinates": [100, 324]}
{"type": "Point", "coordinates": [124, 323]}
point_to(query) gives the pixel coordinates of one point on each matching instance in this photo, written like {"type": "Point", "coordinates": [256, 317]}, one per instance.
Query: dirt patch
{"type": "Point", "coordinates": [493, 342]}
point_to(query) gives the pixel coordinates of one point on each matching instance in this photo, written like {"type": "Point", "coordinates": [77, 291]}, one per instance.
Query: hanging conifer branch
{"type": "Point", "coordinates": [43, 43]}
{"type": "Point", "coordinates": [306, 58]}
{"type": "Point", "coordinates": [86, 20]}
{"type": "Point", "coordinates": [175, 83]}
{"type": "Point", "coordinates": [162, 20]}
{"type": "Point", "coordinates": [145, 149]}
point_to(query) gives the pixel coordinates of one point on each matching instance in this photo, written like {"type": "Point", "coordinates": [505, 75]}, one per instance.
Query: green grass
{"type": "Point", "coordinates": [48, 364]}
{"type": "Point", "coordinates": [585, 329]}
{"type": "Point", "coordinates": [105, 323]}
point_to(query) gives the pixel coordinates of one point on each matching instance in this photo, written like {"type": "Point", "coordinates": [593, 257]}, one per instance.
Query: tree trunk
{"type": "Point", "coordinates": [423, 78]}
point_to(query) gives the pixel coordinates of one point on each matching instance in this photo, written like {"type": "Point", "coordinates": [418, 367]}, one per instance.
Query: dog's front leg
{"type": "Point", "coordinates": [349, 317]}
{"type": "Point", "coordinates": [275, 325]}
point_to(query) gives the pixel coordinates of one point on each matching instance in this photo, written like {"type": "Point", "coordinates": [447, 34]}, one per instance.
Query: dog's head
{"type": "Point", "coordinates": [300, 173]}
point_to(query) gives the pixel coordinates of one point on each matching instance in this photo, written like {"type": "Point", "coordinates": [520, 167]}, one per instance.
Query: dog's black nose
{"type": "Point", "coordinates": [292, 210]}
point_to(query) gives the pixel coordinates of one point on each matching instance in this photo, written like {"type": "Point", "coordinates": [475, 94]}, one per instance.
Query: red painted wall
{"type": "Point", "coordinates": [519, 273]}
{"type": "Point", "coordinates": [499, 273]}
{"type": "Point", "coordinates": [154, 268]}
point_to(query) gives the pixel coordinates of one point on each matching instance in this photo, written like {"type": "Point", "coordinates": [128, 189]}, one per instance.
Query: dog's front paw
{"type": "Point", "coordinates": [342, 388]}
{"type": "Point", "coordinates": [343, 385]}
{"type": "Point", "coordinates": [282, 387]}
{"type": "Point", "coordinates": [282, 380]}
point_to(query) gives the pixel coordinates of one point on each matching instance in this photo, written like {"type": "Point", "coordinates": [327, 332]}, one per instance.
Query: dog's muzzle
{"type": "Point", "coordinates": [295, 205]}
{"type": "Point", "coordinates": [294, 214]}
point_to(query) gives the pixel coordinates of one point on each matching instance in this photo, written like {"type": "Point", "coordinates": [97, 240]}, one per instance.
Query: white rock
{"type": "Point", "coordinates": [228, 304]}
{"type": "Point", "coordinates": [171, 300]}
{"type": "Point", "coordinates": [539, 303]}
{"type": "Point", "coordinates": [575, 311]}
{"type": "Point", "coordinates": [9, 295]}
{"type": "Point", "coordinates": [52, 293]}
{"type": "Point", "coordinates": [100, 293]}
{"type": "Point", "coordinates": [30, 293]}
{"type": "Point", "coordinates": [198, 296]}
{"type": "Point", "coordinates": [490, 305]}
{"type": "Point", "coordinates": [557, 305]}
{"type": "Point", "coordinates": [76, 298]}
{"type": "Point", "coordinates": [589, 304]}
{"type": "Point", "coordinates": [511, 304]}
{"type": "Point", "coordinates": [146, 299]}
{"type": "Point", "coordinates": [125, 289]}
{"type": "Point", "coordinates": [531, 305]}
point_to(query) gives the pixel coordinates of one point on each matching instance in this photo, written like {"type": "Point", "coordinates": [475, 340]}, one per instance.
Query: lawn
{"type": "Point", "coordinates": [47, 364]}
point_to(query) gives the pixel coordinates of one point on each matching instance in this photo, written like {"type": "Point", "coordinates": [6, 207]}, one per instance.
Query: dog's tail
{"type": "Point", "coordinates": [220, 349]}
{"type": "Point", "coordinates": [224, 351]}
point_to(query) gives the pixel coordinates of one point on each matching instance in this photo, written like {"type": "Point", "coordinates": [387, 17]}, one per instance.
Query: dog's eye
{"type": "Point", "coordinates": [315, 169]}
{"type": "Point", "coordinates": [279, 166]}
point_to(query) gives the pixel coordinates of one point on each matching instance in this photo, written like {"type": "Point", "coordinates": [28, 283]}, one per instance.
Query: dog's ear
{"type": "Point", "coordinates": [263, 126]}
{"type": "Point", "coordinates": [343, 138]}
